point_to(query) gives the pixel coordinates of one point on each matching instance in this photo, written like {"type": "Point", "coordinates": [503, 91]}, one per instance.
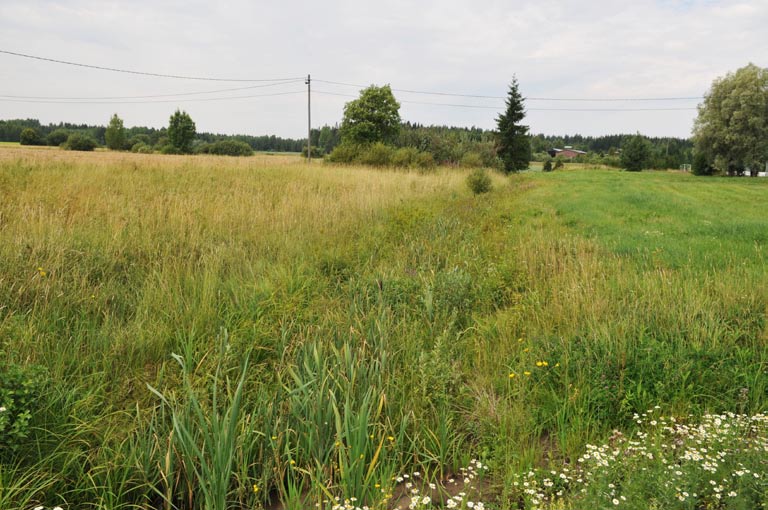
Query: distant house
{"type": "Point", "coordinates": [566, 152]}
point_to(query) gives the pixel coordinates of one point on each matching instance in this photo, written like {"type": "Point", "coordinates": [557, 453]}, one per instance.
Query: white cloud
{"type": "Point", "coordinates": [556, 49]}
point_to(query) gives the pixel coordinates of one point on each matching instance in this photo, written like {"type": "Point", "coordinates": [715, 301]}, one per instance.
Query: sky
{"type": "Point", "coordinates": [602, 49]}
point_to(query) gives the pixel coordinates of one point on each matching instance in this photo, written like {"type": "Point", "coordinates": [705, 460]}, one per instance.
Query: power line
{"type": "Point", "coordinates": [480, 96]}
{"type": "Point", "coordinates": [200, 99]}
{"type": "Point", "coordinates": [99, 98]}
{"type": "Point", "coordinates": [487, 107]}
{"type": "Point", "coordinates": [142, 73]}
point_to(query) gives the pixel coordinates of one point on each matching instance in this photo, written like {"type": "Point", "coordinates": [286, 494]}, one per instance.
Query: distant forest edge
{"type": "Point", "coordinates": [447, 144]}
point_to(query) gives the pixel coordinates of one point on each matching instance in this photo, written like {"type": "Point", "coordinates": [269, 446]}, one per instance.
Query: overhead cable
{"type": "Point", "coordinates": [143, 73]}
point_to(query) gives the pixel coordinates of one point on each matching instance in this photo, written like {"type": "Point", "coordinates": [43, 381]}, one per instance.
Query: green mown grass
{"type": "Point", "coordinates": [392, 322]}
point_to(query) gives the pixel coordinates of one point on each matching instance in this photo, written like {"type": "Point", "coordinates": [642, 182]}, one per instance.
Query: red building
{"type": "Point", "coordinates": [566, 152]}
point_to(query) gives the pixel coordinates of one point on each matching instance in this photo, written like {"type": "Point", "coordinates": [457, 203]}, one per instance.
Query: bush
{"type": "Point", "coordinates": [479, 181]}
{"type": "Point", "coordinates": [344, 153]}
{"type": "Point", "coordinates": [57, 137]}
{"type": "Point", "coordinates": [377, 154]}
{"type": "Point", "coordinates": [405, 157]}
{"type": "Point", "coordinates": [80, 142]}
{"type": "Point", "coordinates": [700, 165]}
{"type": "Point", "coordinates": [425, 161]}
{"type": "Point", "coordinates": [30, 136]}
{"type": "Point", "coordinates": [471, 160]}
{"type": "Point", "coordinates": [547, 166]}
{"type": "Point", "coordinates": [317, 152]}
{"type": "Point", "coordinates": [558, 164]}
{"type": "Point", "coordinates": [20, 390]}
{"type": "Point", "coordinates": [169, 149]}
{"type": "Point", "coordinates": [227, 148]}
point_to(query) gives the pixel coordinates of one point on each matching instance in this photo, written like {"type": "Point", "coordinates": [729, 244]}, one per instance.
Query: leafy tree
{"type": "Point", "coordinates": [115, 134]}
{"type": "Point", "coordinates": [373, 117]}
{"type": "Point", "coordinates": [732, 125]}
{"type": "Point", "coordinates": [700, 165]}
{"type": "Point", "coordinates": [57, 137]}
{"type": "Point", "coordinates": [635, 153]}
{"type": "Point", "coordinates": [30, 136]}
{"type": "Point", "coordinates": [513, 144]}
{"type": "Point", "coordinates": [181, 132]}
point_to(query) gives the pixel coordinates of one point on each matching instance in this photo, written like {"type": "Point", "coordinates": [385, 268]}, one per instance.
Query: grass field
{"type": "Point", "coordinates": [210, 332]}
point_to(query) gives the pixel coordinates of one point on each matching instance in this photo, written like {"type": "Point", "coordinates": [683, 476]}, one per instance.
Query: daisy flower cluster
{"type": "Point", "coordinates": [719, 461]}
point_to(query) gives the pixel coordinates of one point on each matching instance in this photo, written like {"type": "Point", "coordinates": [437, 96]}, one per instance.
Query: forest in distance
{"type": "Point", "coordinates": [448, 144]}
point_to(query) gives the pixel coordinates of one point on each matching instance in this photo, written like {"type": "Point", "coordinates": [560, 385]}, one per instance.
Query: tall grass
{"type": "Point", "coordinates": [392, 322]}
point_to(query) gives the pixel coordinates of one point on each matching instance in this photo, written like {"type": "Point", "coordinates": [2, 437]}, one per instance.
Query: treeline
{"type": "Point", "coordinates": [453, 145]}
{"type": "Point", "coordinates": [51, 134]}
{"type": "Point", "coordinates": [665, 152]}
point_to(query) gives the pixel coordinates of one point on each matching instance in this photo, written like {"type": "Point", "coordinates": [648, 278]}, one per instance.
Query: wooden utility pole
{"type": "Point", "coordinates": [309, 118]}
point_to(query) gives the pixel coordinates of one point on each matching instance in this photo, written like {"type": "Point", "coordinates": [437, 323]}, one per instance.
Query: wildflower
{"type": "Point", "coordinates": [615, 501]}
{"type": "Point", "coordinates": [255, 488]}
{"type": "Point", "coordinates": [293, 462]}
{"type": "Point", "coordinates": [390, 438]}
{"type": "Point", "coordinates": [511, 375]}
{"type": "Point", "coordinates": [2, 410]}
{"type": "Point", "coordinates": [527, 372]}
{"type": "Point", "coordinates": [539, 363]}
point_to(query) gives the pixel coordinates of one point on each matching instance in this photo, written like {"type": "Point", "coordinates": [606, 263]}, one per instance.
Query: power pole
{"type": "Point", "coordinates": [309, 118]}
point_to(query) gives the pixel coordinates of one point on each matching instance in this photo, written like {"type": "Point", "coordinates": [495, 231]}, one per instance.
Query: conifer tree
{"type": "Point", "coordinates": [513, 144]}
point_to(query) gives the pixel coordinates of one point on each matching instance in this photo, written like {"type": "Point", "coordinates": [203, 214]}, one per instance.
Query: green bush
{"type": "Point", "coordinates": [20, 391]}
{"type": "Point", "coordinates": [30, 136]}
{"type": "Point", "coordinates": [558, 164]}
{"type": "Point", "coordinates": [547, 166]}
{"type": "Point", "coordinates": [425, 161]}
{"type": "Point", "coordinates": [141, 148]}
{"type": "Point", "coordinates": [227, 148]}
{"type": "Point", "coordinates": [80, 142]}
{"type": "Point", "coordinates": [405, 157]}
{"type": "Point", "coordinates": [317, 152]}
{"type": "Point", "coordinates": [169, 149]}
{"type": "Point", "coordinates": [701, 165]}
{"type": "Point", "coordinates": [479, 181]}
{"type": "Point", "coordinates": [57, 137]}
{"type": "Point", "coordinates": [344, 153]}
{"type": "Point", "coordinates": [471, 160]}
{"type": "Point", "coordinates": [377, 154]}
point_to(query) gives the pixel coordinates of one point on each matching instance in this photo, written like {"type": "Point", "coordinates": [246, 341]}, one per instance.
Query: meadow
{"type": "Point", "coordinates": [210, 332]}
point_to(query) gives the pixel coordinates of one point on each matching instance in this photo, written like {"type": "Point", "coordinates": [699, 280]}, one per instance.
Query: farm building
{"type": "Point", "coordinates": [566, 152]}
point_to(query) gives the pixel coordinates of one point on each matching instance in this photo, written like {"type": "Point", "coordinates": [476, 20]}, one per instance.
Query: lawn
{"type": "Point", "coordinates": [212, 332]}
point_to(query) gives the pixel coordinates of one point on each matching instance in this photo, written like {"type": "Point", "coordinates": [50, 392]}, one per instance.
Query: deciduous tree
{"type": "Point", "coordinates": [115, 134]}
{"type": "Point", "coordinates": [373, 117]}
{"type": "Point", "coordinates": [181, 132]}
{"type": "Point", "coordinates": [732, 126]}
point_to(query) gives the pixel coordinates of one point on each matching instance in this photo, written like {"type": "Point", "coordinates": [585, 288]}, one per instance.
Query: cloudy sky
{"type": "Point", "coordinates": [603, 49]}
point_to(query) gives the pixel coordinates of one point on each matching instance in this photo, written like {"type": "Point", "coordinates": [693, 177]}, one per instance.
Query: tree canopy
{"type": "Point", "coordinates": [373, 117]}
{"type": "Point", "coordinates": [731, 129]}
{"type": "Point", "coordinates": [115, 134]}
{"type": "Point", "coordinates": [181, 132]}
{"type": "Point", "coordinates": [513, 143]}
{"type": "Point", "coordinates": [635, 153]}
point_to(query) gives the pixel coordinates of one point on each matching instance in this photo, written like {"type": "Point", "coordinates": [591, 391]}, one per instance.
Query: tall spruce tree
{"type": "Point", "coordinates": [513, 144]}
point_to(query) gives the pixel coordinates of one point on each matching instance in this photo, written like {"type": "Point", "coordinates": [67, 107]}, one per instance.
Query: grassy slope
{"type": "Point", "coordinates": [635, 289]}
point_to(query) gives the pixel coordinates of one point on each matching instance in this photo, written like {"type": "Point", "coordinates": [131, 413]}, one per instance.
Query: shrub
{"type": "Point", "coordinates": [20, 390]}
{"type": "Point", "coordinates": [80, 142]}
{"type": "Point", "coordinates": [425, 161]}
{"type": "Point", "coordinates": [558, 164]}
{"type": "Point", "coordinates": [405, 157]}
{"type": "Point", "coordinates": [57, 137]}
{"type": "Point", "coordinates": [317, 152]}
{"type": "Point", "coordinates": [139, 146]}
{"type": "Point", "coordinates": [228, 148]}
{"type": "Point", "coordinates": [377, 154]}
{"type": "Point", "coordinates": [145, 149]}
{"type": "Point", "coordinates": [479, 181]}
{"type": "Point", "coordinates": [169, 149]}
{"type": "Point", "coordinates": [471, 160]}
{"type": "Point", "coordinates": [145, 139]}
{"type": "Point", "coordinates": [547, 166]}
{"type": "Point", "coordinates": [701, 165]}
{"type": "Point", "coordinates": [30, 136]}
{"type": "Point", "coordinates": [344, 153]}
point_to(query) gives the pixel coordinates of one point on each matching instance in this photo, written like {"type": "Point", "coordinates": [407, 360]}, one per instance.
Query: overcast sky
{"type": "Point", "coordinates": [557, 49]}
